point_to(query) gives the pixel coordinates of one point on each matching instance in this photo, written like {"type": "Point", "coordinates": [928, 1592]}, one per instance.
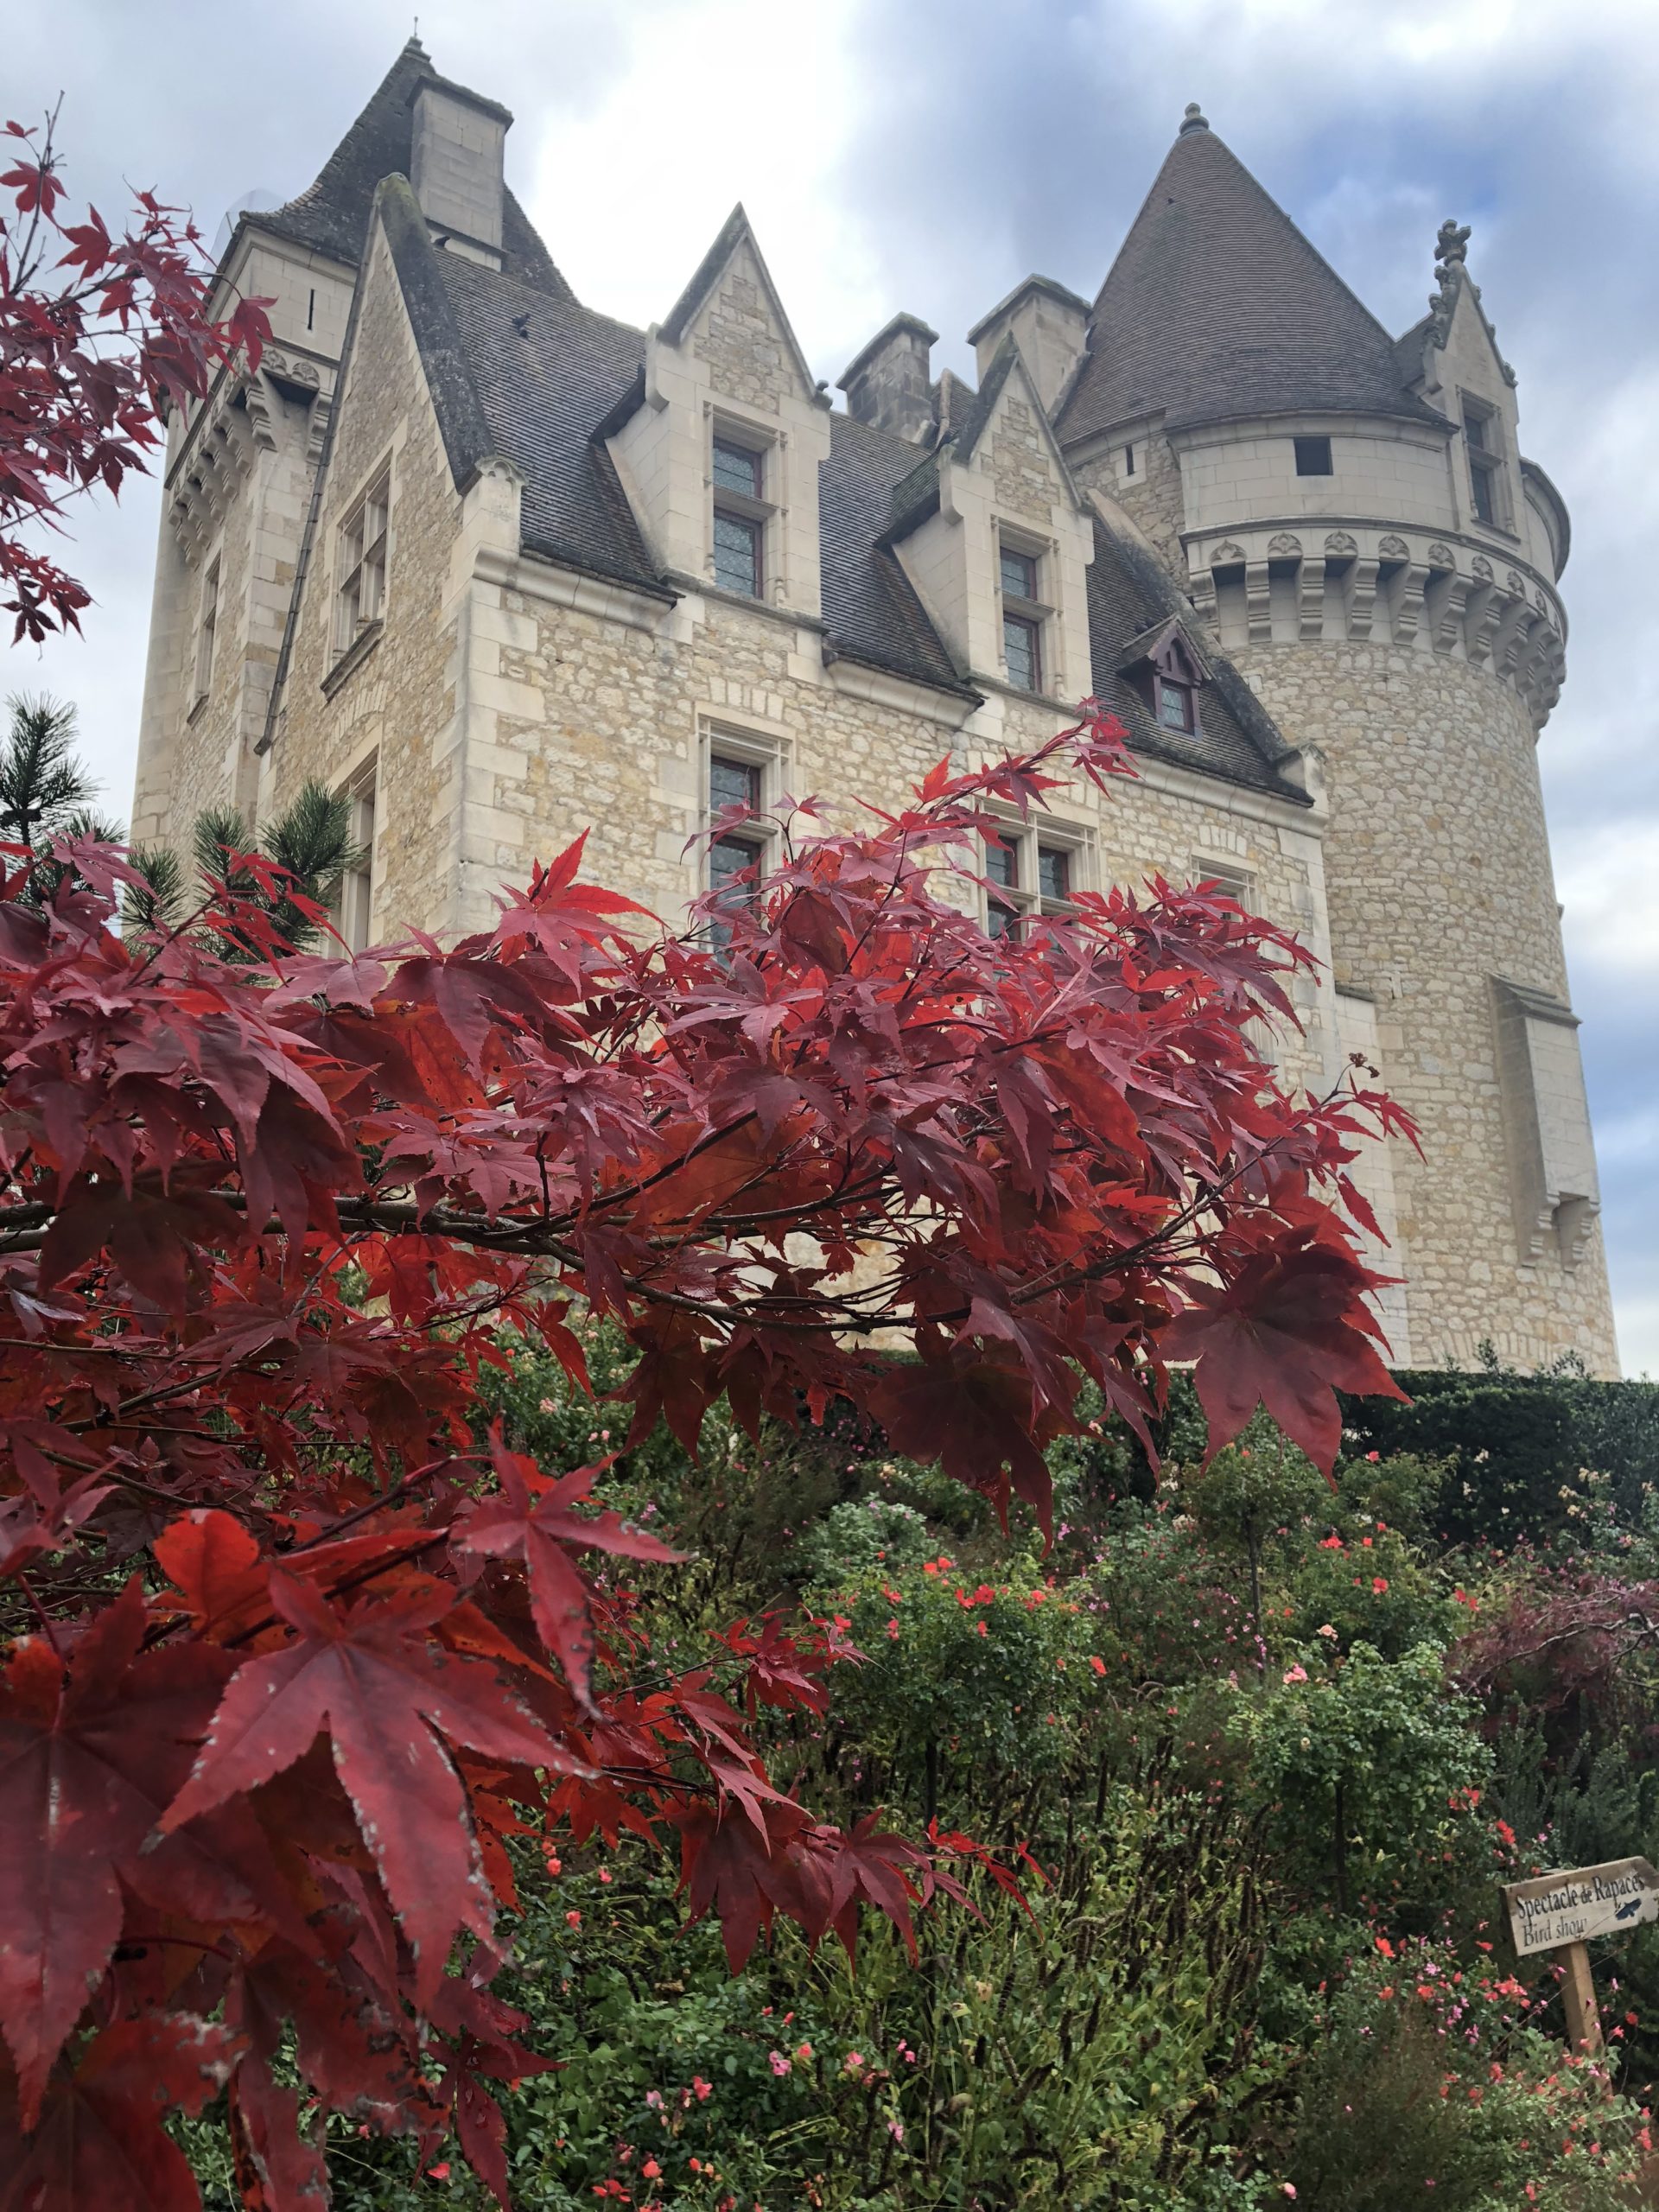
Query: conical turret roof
{"type": "Point", "coordinates": [1216, 306]}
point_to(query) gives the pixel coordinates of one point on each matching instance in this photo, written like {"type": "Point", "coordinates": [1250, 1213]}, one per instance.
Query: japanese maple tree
{"type": "Point", "coordinates": [99, 328]}
{"type": "Point", "coordinates": [296, 1648]}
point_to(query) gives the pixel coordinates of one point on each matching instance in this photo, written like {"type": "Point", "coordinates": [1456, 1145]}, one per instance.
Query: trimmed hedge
{"type": "Point", "coordinates": [1515, 1442]}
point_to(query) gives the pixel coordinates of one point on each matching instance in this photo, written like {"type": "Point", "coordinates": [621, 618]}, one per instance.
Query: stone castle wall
{"type": "Point", "coordinates": [394, 704]}
{"type": "Point", "coordinates": [1438, 881]}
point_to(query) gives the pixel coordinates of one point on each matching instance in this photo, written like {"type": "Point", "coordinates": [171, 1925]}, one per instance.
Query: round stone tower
{"type": "Point", "coordinates": [1353, 514]}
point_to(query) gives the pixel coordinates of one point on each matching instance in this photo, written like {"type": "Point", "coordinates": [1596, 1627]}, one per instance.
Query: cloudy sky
{"type": "Point", "coordinates": [927, 154]}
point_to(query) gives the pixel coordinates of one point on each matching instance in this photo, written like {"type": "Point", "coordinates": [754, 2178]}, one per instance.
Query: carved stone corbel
{"type": "Point", "coordinates": [1258, 603]}
{"type": "Point", "coordinates": [1362, 597]}
{"type": "Point", "coordinates": [1409, 601]}
{"type": "Point", "coordinates": [1448, 623]}
{"type": "Point", "coordinates": [1481, 619]}
{"type": "Point", "coordinates": [1311, 601]}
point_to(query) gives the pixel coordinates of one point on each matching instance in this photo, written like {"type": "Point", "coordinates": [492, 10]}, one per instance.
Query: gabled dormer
{"type": "Point", "coordinates": [994, 534]}
{"type": "Point", "coordinates": [1168, 671]}
{"type": "Point", "coordinates": [1453, 361]}
{"type": "Point", "coordinates": [719, 446]}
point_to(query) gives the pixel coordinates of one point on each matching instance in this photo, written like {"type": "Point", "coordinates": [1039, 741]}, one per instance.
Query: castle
{"type": "Point", "coordinates": [502, 568]}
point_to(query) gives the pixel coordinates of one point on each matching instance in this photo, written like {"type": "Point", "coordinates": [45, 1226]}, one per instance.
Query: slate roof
{"type": "Point", "coordinates": [1217, 307]}
{"type": "Point", "coordinates": [1131, 600]}
{"type": "Point", "coordinates": [518, 369]}
{"type": "Point", "coordinates": [870, 605]}
{"type": "Point", "coordinates": [547, 373]}
{"type": "Point", "coordinates": [332, 215]}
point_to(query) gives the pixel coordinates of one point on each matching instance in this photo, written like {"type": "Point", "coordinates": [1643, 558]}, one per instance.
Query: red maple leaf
{"type": "Point", "coordinates": [100, 2140]}
{"type": "Point", "coordinates": [90, 1754]}
{"type": "Point", "coordinates": [533, 1519]}
{"type": "Point", "coordinates": [392, 1701]}
{"type": "Point", "coordinates": [1288, 1330]}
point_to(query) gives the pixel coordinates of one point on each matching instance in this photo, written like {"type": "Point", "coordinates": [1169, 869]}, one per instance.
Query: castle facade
{"type": "Point", "coordinates": [503, 568]}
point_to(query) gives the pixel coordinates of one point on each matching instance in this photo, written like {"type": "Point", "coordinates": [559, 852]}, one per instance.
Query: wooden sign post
{"type": "Point", "coordinates": [1560, 1912]}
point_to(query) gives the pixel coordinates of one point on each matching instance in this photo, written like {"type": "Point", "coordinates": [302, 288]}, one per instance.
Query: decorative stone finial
{"type": "Point", "coordinates": [1193, 120]}
{"type": "Point", "coordinates": [1452, 244]}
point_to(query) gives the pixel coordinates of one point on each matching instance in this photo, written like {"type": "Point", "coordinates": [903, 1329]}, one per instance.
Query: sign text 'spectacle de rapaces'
{"type": "Point", "coordinates": [1570, 1907]}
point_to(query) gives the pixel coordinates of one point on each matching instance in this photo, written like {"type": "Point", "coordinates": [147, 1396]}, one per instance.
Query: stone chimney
{"type": "Point", "coordinates": [888, 385]}
{"type": "Point", "coordinates": [1050, 326]}
{"type": "Point", "coordinates": [455, 166]}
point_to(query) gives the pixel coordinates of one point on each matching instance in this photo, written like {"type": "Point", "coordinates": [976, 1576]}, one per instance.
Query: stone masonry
{"type": "Point", "coordinates": [1336, 527]}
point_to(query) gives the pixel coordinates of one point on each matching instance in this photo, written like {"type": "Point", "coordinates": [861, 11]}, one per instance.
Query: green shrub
{"type": "Point", "coordinates": [1428, 2086]}
{"type": "Point", "coordinates": [1370, 1765]}
{"type": "Point", "coordinates": [1513, 1441]}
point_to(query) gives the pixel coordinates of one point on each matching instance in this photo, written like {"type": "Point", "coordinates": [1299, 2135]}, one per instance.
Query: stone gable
{"type": "Point", "coordinates": [748, 357]}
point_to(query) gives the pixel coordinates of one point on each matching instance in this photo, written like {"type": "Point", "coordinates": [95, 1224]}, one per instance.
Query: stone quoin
{"type": "Point", "coordinates": [504, 568]}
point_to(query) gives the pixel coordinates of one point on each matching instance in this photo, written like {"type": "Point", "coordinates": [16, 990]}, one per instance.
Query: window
{"type": "Point", "coordinates": [360, 598]}
{"type": "Point", "coordinates": [1021, 653]}
{"type": "Point", "coordinates": [736, 469]}
{"type": "Point", "coordinates": [1022, 620]}
{"type": "Point", "coordinates": [1175, 703]}
{"type": "Point", "coordinates": [207, 631]}
{"type": "Point", "coordinates": [733, 782]}
{"type": "Point", "coordinates": [737, 553]}
{"type": "Point", "coordinates": [740, 519]}
{"type": "Point", "coordinates": [1053, 875]}
{"type": "Point", "coordinates": [1481, 437]}
{"type": "Point", "coordinates": [355, 908]}
{"type": "Point", "coordinates": [1002, 867]}
{"type": "Point", "coordinates": [1018, 575]}
{"type": "Point", "coordinates": [1313, 457]}
{"type": "Point", "coordinates": [1230, 880]}
{"type": "Point", "coordinates": [1129, 460]}
{"type": "Point", "coordinates": [1168, 676]}
{"type": "Point", "coordinates": [1029, 874]}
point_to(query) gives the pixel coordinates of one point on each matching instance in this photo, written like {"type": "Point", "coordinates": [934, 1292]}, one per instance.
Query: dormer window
{"type": "Point", "coordinates": [1175, 703]}
{"type": "Point", "coordinates": [1166, 672]}
{"type": "Point", "coordinates": [1022, 620]}
{"type": "Point", "coordinates": [740, 517]}
{"type": "Point", "coordinates": [1482, 438]}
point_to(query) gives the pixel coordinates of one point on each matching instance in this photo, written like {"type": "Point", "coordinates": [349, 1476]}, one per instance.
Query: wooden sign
{"type": "Point", "coordinates": [1555, 1910]}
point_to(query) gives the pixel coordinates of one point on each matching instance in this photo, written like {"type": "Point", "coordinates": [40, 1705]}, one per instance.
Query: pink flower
{"type": "Point", "coordinates": [440, 2171]}
{"type": "Point", "coordinates": [573, 1920]}
{"type": "Point", "coordinates": [896, 2129]}
{"type": "Point", "coordinates": [855, 2062]}
{"type": "Point", "coordinates": [779, 2064]}
{"type": "Point", "coordinates": [1327, 1629]}
{"type": "Point", "coordinates": [1296, 1675]}
{"type": "Point", "coordinates": [704, 2090]}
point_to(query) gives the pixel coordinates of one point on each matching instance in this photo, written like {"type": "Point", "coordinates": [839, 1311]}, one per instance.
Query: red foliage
{"type": "Point", "coordinates": [356, 1652]}
{"type": "Point", "coordinates": [1563, 1641]}
{"type": "Point", "coordinates": [96, 331]}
